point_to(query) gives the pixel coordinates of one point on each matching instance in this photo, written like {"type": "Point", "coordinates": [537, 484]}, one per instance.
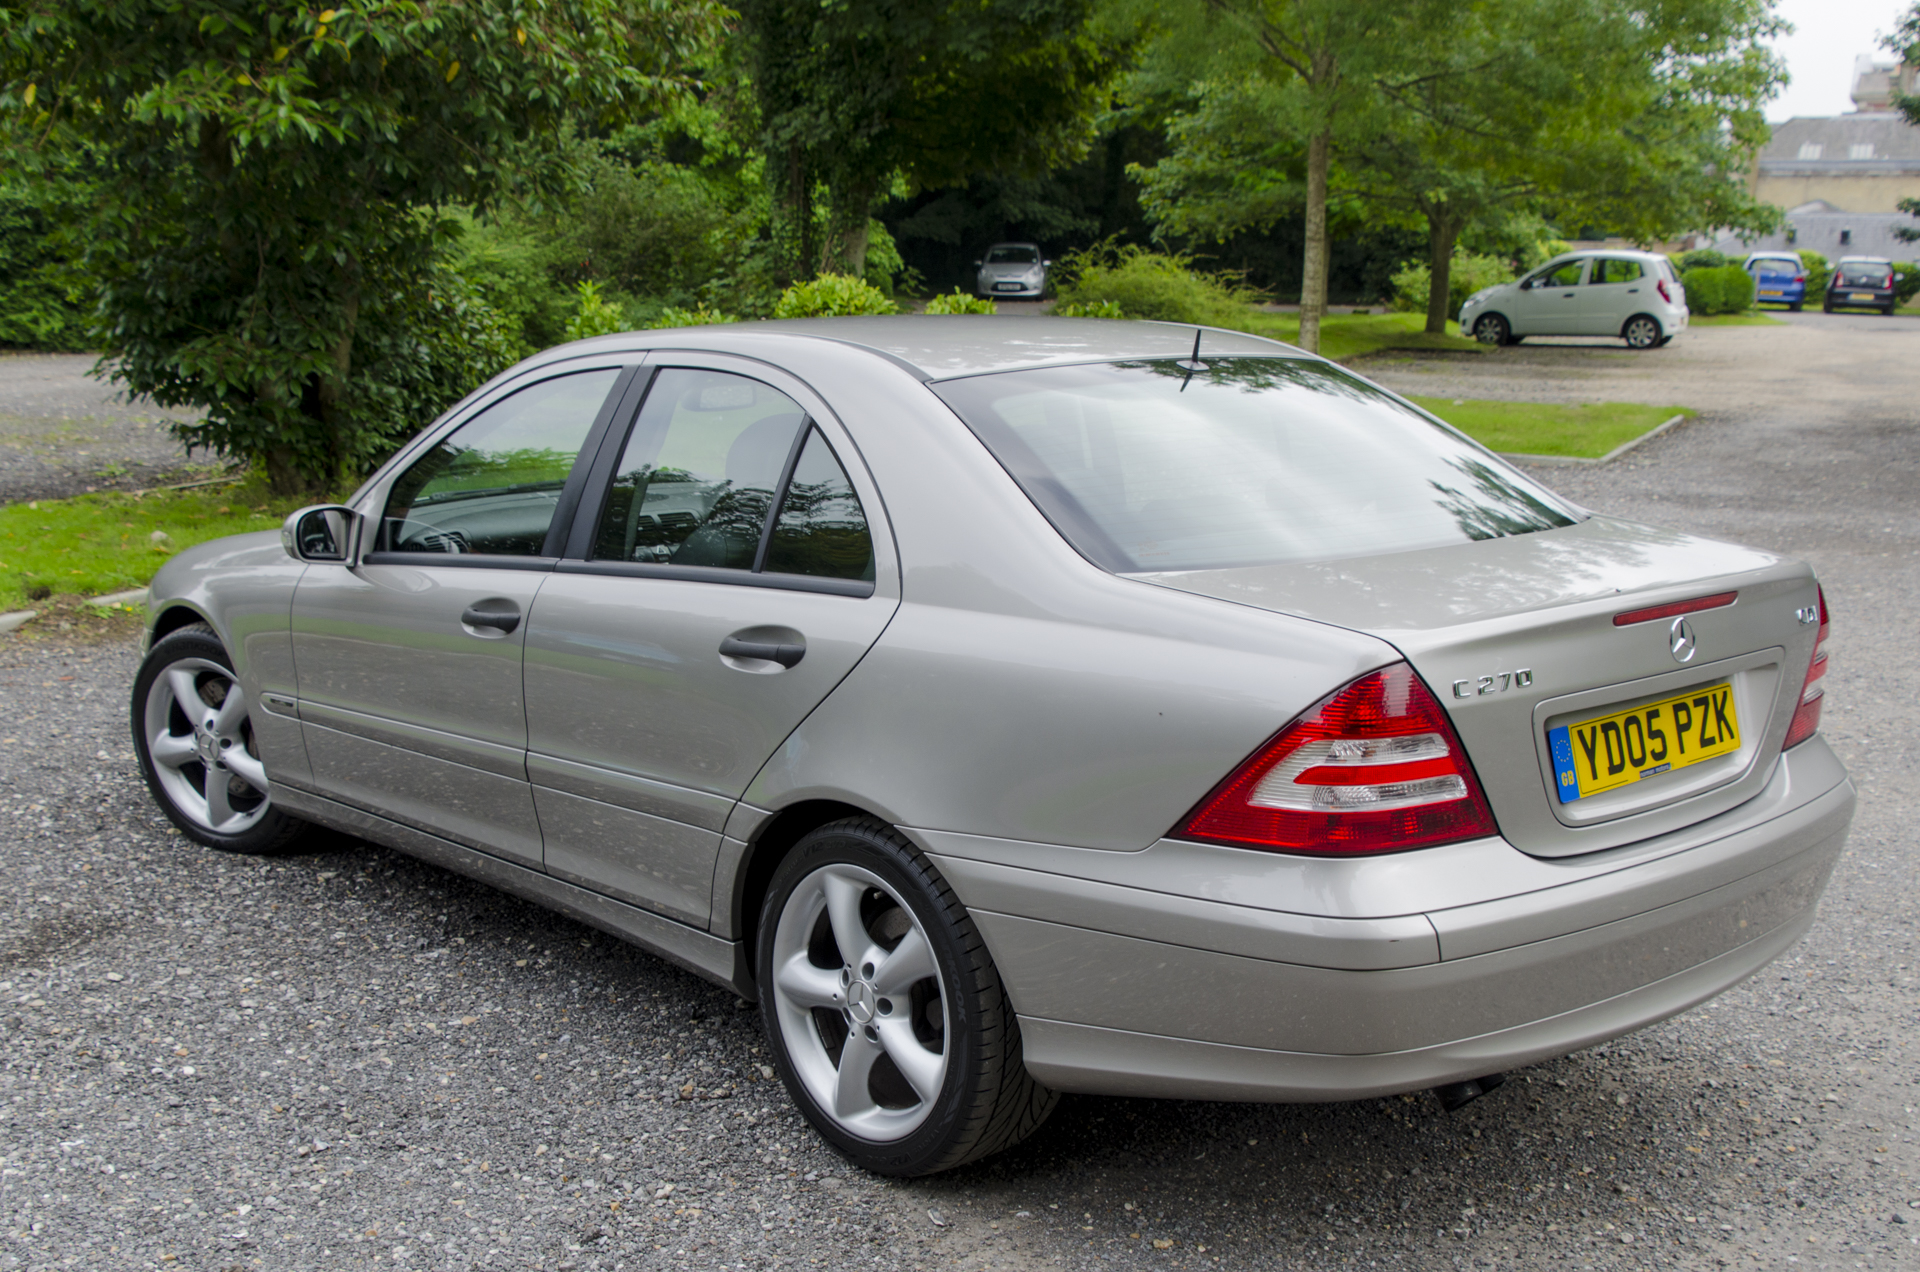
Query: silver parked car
{"type": "Point", "coordinates": [1635, 296]}
{"type": "Point", "coordinates": [1011, 271]}
{"type": "Point", "coordinates": [1030, 706]}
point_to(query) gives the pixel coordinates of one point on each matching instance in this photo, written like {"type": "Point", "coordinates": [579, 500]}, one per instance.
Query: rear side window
{"type": "Point", "coordinates": [821, 530]}
{"type": "Point", "coordinates": [1145, 466]}
{"type": "Point", "coordinates": [1616, 271]}
{"type": "Point", "coordinates": [492, 486]}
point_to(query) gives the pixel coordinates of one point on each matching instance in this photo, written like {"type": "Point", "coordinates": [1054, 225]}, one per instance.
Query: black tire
{"type": "Point", "coordinates": [1493, 329]}
{"type": "Point", "coordinates": [1887, 310]}
{"type": "Point", "coordinates": [1795, 307]}
{"type": "Point", "coordinates": [1826, 306]}
{"type": "Point", "coordinates": [223, 807]}
{"type": "Point", "coordinates": [984, 1100]}
{"type": "Point", "coordinates": [1641, 332]}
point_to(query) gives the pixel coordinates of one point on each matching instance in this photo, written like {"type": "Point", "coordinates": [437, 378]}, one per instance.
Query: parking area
{"type": "Point", "coordinates": [349, 1059]}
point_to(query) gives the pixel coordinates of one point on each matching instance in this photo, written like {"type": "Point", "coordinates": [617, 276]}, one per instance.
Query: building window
{"type": "Point", "coordinates": [1793, 234]}
{"type": "Point", "coordinates": [1864, 151]}
{"type": "Point", "coordinates": [1811, 150]}
{"type": "Point", "coordinates": [1846, 237]}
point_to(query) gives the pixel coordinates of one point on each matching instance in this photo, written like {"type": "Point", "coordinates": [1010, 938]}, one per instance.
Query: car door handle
{"type": "Point", "coordinates": [506, 621]}
{"type": "Point", "coordinates": [766, 651]}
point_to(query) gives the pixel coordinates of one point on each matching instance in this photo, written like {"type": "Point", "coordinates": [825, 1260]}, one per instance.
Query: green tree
{"type": "Point", "coordinates": [1637, 116]}
{"type": "Point", "coordinates": [859, 98]}
{"type": "Point", "coordinates": [267, 239]}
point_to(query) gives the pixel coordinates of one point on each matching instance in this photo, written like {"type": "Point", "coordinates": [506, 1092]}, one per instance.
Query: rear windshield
{"type": "Point", "coordinates": [1144, 466]}
{"type": "Point", "coordinates": [1013, 256]}
{"type": "Point", "coordinates": [1774, 265]}
{"type": "Point", "coordinates": [1866, 271]}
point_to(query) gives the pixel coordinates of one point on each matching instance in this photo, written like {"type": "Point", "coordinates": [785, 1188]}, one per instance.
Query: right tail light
{"type": "Point", "coordinates": [1665, 295]}
{"type": "Point", "coordinates": [1371, 768]}
{"type": "Point", "coordinates": [1813, 693]}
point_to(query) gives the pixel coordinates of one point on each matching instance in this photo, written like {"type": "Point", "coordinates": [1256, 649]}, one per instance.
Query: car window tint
{"type": "Point", "coordinates": [1013, 256]}
{"type": "Point", "coordinates": [493, 484]}
{"type": "Point", "coordinates": [697, 478]}
{"type": "Point", "coordinates": [1147, 466]}
{"type": "Point", "coordinates": [1612, 271]}
{"type": "Point", "coordinates": [821, 529]}
{"type": "Point", "coordinates": [1567, 275]}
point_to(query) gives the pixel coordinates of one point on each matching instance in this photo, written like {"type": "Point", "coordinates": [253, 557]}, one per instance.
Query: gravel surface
{"type": "Point", "coordinates": [348, 1059]}
{"type": "Point", "coordinates": [63, 433]}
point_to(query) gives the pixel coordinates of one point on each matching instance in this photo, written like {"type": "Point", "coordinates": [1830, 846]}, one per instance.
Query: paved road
{"type": "Point", "coordinates": [349, 1059]}
{"type": "Point", "coordinates": [63, 432]}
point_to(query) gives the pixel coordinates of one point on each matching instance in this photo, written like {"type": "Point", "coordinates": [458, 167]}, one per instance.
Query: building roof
{"type": "Point", "coordinates": [1868, 234]}
{"type": "Point", "coordinates": [1852, 145]}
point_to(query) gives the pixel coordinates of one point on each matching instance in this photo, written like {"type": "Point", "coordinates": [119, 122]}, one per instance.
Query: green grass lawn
{"type": "Point", "coordinates": [96, 544]}
{"type": "Point", "coordinates": [1580, 430]}
{"type": "Point", "coordinates": [1344, 336]}
{"type": "Point", "coordinates": [1752, 318]}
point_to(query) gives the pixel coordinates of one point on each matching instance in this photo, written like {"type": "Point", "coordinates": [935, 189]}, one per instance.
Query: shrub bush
{"type": "Point", "coordinates": [1718, 289]}
{"type": "Point", "coordinates": [1703, 258]}
{"type": "Point", "coordinates": [1146, 284]}
{"type": "Point", "coordinates": [700, 316]}
{"type": "Point", "coordinates": [1818, 271]}
{"type": "Point", "coordinates": [594, 315]}
{"type": "Point", "coordinates": [832, 296]}
{"type": "Point", "coordinates": [1906, 281]}
{"type": "Point", "coordinates": [1468, 275]}
{"type": "Point", "coordinates": [958, 302]}
{"type": "Point", "coordinates": [1089, 309]}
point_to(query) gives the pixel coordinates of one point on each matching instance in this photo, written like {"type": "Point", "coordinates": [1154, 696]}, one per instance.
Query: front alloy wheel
{"type": "Point", "coordinates": [1641, 332]}
{"type": "Point", "coordinates": [194, 737]}
{"type": "Point", "coordinates": [886, 1014]}
{"type": "Point", "coordinates": [1492, 329]}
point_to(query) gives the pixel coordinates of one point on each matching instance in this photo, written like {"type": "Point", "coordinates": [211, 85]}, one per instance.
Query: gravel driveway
{"type": "Point", "coordinates": [348, 1059]}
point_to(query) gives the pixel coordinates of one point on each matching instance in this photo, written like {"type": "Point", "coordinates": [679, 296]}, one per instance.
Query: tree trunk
{"type": "Point", "coordinates": [845, 251]}
{"type": "Point", "coordinates": [1443, 231]}
{"type": "Point", "coordinates": [1313, 271]}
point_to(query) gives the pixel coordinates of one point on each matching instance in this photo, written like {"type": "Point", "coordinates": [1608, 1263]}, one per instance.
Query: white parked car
{"type": "Point", "coordinates": [1635, 296]}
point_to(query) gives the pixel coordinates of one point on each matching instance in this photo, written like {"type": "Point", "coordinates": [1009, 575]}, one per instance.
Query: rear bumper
{"type": "Point", "coordinates": [1200, 988]}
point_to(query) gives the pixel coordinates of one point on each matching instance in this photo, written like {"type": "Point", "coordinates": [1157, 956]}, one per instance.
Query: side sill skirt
{"type": "Point", "coordinates": [720, 961]}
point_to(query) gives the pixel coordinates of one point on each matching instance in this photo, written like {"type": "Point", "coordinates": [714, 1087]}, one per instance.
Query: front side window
{"type": "Point", "coordinates": [1564, 275]}
{"type": "Point", "coordinates": [492, 486]}
{"type": "Point", "coordinates": [1145, 466]}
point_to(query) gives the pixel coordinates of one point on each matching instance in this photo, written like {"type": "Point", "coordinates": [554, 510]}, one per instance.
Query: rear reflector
{"type": "Point", "coordinates": [1674, 609]}
{"type": "Point", "coordinates": [1813, 692]}
{"type": "Point", "coordinates": [1374, 767]}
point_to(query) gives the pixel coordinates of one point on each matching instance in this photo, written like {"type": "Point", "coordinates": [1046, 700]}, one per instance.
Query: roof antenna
{"type": "Point", "coordinates": [1193, 364]}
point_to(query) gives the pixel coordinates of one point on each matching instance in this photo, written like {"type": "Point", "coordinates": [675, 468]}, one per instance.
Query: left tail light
{"type": "Point", "coordinates": [1665, 295]}
{"type": "Point", "coordinates": [1813, 693]}
{"type": "Point", "coordinates": [1371, 768]}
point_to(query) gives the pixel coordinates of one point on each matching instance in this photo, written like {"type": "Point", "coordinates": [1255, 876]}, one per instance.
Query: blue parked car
{"type": "Point", "coordinates": [1779, 278]}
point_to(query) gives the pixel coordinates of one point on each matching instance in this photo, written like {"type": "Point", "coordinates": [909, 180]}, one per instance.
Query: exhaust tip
{"type": "Point", "coordinates": [1456, 1094]}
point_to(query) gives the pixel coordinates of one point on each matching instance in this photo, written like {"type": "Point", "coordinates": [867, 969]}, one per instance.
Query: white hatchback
{"type": "Point", "coordinates": [1635, 296]}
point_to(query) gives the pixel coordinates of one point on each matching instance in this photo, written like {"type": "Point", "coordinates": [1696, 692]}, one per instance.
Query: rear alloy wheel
{"type": "Point", "coordinates": [886, 1014]}
{"type": "Point", "coordinates": [1492, 329]}
{"type": "Point", "coordinates": [194, 737]}
{"type": "Point", "coordinates": [1641, 332]}
{"type": "Point", "coordinates": [1794, 308]}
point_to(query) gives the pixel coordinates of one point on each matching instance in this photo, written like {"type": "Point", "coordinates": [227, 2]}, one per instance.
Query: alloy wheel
{"type": "Point", "coordinates": [860, 1004]}
{"type": "Point", "coordinates": [1642, 333]}
{"type": "Point", "coordinates": [201, 743]}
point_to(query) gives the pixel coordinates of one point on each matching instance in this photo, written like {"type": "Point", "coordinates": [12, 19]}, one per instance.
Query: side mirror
{"type": "Point", "coordinates": [319, 533]}
{"type": "Point", "coordinates": [1527, 285]}
{"type": "Point", "coordinates": [978, 264]}
{"type": "Point", "coordinates": [1047, 264]}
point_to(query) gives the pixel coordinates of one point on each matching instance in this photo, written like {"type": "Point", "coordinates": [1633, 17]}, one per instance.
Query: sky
{"type": "Point", "coordinates": [1828, 35]}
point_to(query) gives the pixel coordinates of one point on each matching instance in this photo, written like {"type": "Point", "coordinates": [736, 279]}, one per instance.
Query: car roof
{"type": "Point", "coordinates": [1585, 253]}
{"type": "Point", "coordinates": [1772, 256]}
{"type": "Point", "coordinates": [944, 346]}
{"type": "Point", "coordinates": [1864, 260]}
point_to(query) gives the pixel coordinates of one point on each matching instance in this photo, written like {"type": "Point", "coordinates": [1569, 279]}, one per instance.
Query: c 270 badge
{"type": "Point", "coordinates": [1499, 682]}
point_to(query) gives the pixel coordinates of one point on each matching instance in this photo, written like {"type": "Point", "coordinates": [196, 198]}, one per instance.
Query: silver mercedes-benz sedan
{"type": "Point", "coordinates": [1024, 705]}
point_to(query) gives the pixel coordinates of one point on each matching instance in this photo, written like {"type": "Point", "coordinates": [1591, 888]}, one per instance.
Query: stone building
{"type": "Point", "coordinates": [1866, 161]}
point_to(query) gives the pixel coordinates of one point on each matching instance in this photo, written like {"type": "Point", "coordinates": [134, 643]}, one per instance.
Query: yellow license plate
{"type": "Point", "coordinates": [1764, 292]}
{"type": "Point", "coordinates": [1617, 750]}
{"type": "Point", "coordinates": [1861, 296]}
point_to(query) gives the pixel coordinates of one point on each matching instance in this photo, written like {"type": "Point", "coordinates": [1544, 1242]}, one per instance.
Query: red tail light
{"type": "Point", "coordinates": [1813, 694]}
{"type": "Point", "coordinates": [1665, 295]}
{"type": "Point", "coordinates": [1374, 767]}
{"type": "Point", "coordinates": [1799, 278]}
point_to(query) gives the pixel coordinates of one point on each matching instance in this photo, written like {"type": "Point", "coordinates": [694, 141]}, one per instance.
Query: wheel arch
{"type": "Point", "coordinates": [178, 614]}
{"type": "Point", "coordinates": [772, 840]}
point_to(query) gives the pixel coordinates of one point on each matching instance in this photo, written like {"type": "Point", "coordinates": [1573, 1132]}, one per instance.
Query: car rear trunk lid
{"type": "Point", "coordinates": [1517, 637]}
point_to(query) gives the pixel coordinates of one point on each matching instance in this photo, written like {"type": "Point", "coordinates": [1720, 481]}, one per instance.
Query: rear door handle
{"type": "Point", "coordinates": [506, 621]}
{"type": "Point", "coordinates": [785, 655]}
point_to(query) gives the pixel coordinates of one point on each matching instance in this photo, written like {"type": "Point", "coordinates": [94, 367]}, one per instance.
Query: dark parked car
{"type": "Point", "coordinates": [1861, 282]}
